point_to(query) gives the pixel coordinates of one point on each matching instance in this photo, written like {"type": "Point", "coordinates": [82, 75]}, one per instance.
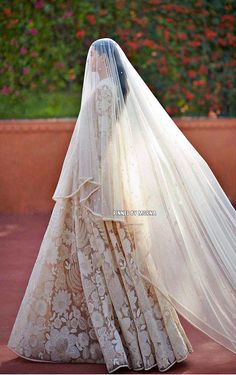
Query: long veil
{"type": "Point", "coordinates": [128, 161]}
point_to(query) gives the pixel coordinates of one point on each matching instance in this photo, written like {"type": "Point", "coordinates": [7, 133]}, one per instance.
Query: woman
{"type": "Point", "coordinates": [141, 228]}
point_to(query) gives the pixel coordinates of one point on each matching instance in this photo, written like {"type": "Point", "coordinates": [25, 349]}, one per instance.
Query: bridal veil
{"type": "Point", "coordinates": [127, 160]}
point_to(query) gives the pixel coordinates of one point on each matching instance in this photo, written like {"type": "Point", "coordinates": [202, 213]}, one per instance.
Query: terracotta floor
{"type": "Point", "coordinates": [20, 238]}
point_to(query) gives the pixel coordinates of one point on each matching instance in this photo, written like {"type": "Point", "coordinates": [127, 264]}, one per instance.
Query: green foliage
{"type": "Point", "coordinates": [40, 105]}
{"type": "Point", "coordinates": [183, 50]}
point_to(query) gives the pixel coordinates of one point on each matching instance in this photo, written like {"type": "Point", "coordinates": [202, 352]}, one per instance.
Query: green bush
{"type": "Point", "coordinates": [182, 49]}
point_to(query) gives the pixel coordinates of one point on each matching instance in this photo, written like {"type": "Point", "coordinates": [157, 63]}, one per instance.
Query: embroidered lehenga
{"type": "Point", "coordinates": [105, 287]}
{"type": "Point", "coordinates": [85, 301]}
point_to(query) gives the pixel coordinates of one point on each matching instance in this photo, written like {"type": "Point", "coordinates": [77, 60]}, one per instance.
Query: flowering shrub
{"type": "Point", "coordinates": [182, 49]}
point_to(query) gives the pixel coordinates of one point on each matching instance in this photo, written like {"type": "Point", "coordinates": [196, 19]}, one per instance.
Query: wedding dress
{"type": "Point", "coordinates": [140, 229]}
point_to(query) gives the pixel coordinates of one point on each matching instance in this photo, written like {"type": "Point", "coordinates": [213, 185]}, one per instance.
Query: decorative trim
{"type": "Point", "coordinates": [68, 124]}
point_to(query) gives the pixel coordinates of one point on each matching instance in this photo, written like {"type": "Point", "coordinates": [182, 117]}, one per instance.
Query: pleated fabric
{"type": "Point", "coordinates": [85, 301]}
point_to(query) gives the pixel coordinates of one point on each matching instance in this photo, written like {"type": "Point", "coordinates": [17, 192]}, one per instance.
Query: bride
{"type": "Point", "coordinates": [140, 230]}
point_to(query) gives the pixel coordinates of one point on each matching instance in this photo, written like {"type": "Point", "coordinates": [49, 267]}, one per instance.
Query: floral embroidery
{"type": "Point", "coordinates": [85, 303]}
{"type": "Point", "coordinates": [104, 100]}
{"type": "Point", "coordinates": [104, 107]}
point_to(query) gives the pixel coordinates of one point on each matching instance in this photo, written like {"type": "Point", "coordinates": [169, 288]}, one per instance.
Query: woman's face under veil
{"type": "Point", "coordinates": [98, 63]}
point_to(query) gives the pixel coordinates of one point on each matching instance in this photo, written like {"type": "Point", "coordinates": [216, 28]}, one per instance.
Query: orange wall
{"type": "Point", "coordinates": [32, 154]}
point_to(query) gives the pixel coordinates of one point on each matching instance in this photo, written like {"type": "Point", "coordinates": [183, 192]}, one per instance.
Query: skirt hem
{"type": "Point", "coordinates": [110, 372]}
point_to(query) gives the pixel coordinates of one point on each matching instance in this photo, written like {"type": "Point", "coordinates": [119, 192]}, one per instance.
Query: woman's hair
{"type": "Point", "coordinates": [109, 45]}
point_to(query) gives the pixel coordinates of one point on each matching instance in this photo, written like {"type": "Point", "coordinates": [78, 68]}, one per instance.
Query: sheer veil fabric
{"type": "Point", "coordinates": [127, 154]}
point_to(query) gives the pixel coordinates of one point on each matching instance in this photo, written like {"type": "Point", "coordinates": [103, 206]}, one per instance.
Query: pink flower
{"type": "Point", "coordinates": [68, 14]}
{"type": "Point", "coordinates": [91, 19]}
{"type": "Point", "coordinates": [7, 11]}
{"type": "Point", "coordinates": [227, 18]}
{"type": "Point", "coordinates": [182, 36]}
{"type": "Point", "coordinates": [139, 34]}
{"type": "Point", "coordinates": [210, 34]}
{"type": "Point", "coordinates": [6, 90]}
{"type": "Point", "coordinates": [38, 4]}
{"type": "Point", "coordinates": [186, 60]}
{"type": "Point", "coordinates": [23, 51]}
{"type": "Point", "coordinates": [189, 95]}
{"type": "Point", "coordinates": [150, 61]}
{"type": "Point", "coordinates": [80, 33]}
{"type": "Point", "coordinates": [133, 45]}
{"type": "Point", "coordinates": [199, 82]}
{"type": "Point", "coordinates": [25, 71]}
{"type": "Point", "coordinates": [33, 31]}
{"type": "Point", "coordinates": [192, 73]}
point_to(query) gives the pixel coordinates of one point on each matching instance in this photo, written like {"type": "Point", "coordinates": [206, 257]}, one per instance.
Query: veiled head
{"type": "Point", "coordinates": [104, 61]}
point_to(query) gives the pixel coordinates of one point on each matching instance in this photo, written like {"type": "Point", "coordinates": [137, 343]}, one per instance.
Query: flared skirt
{"type": "Point", "coordinates": [86, 303]}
